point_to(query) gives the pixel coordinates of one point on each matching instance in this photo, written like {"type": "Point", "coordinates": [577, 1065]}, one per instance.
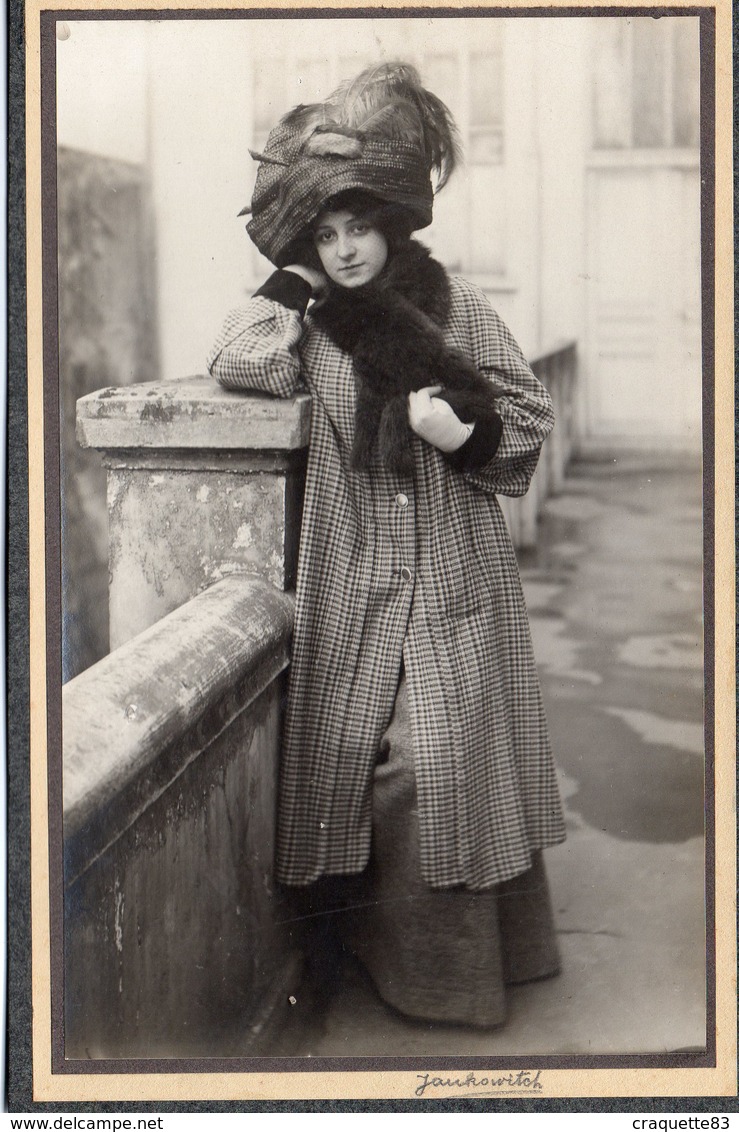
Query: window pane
{"type": "Point", "coordinates": [611, 87]}
{"type": "Point", "coordinates": [686, 82]}
{"type": "Point", "coordinates": [651, 44]}
{"type": "Point", "coordinates": [486, 89]}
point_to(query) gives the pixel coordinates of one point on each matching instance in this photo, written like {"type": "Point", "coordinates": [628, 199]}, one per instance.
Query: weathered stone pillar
{"type": "Point", "coordinates": [202, 483]}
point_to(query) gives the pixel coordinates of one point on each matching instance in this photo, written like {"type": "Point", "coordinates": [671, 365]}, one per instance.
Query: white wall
{"type": "Point", "coordinates": [200, 104]}
{"type": "Point", "coordinates": [101, 69]}
{"type": "Point", "coordinates": [562, 67]}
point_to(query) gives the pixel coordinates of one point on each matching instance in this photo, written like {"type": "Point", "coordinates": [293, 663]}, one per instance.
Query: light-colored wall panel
{"type": "Point", "coordinates": [101, 81]}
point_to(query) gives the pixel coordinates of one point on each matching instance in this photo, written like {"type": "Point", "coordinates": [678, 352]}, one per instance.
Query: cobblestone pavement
{"type": "Point", "coordinates": [614, 591]}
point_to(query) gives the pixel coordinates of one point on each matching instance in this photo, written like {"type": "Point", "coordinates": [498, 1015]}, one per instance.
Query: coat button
{"type": "Point", "coordinates": [401, 500]}
{"type": "Point", "coordinates": [405, 574]}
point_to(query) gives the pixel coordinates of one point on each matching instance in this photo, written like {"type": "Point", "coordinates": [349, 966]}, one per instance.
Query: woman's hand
{"type": "Point", "coordinates": [435, 421]}
{"type": "Point", "coordinates": [317, 280]}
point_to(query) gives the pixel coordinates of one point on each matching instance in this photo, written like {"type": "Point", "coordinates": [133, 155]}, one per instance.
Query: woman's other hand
{"type": "Point", "coordinates": [435, 421]}
{"type": "Point", "coordinates": [316, 279]}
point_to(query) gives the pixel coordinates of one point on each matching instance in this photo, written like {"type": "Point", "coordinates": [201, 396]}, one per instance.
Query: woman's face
{"type": "Point", "coordinates": [351, 249]}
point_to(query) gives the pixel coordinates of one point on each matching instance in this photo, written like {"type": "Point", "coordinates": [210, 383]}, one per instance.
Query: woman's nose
{"type": "Point", "coordinates": [346, 247]}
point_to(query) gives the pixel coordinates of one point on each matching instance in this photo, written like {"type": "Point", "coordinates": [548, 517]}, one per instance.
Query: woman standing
{"type": "Point", "coordinates": [416, 756]}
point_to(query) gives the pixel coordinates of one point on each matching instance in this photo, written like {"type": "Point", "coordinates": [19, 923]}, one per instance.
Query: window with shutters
{"type": "Point", "coordinates": [646, 86]}
{"type": "Point", "coordinates": [485, 126]}
{"type": "Point", "coordinates": [469, 216]}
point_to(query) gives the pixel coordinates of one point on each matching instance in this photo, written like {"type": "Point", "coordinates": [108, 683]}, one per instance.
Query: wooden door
{"type": "Point", "coordinates": [643, 346]}
{"type": "Point", "coordinates": [643, 332]}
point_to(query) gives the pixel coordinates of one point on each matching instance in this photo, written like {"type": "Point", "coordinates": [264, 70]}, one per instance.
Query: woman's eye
{"type": "Point", "coordinates": [324, 237]}
{"type": "Point", "coordinates": [360, 229]}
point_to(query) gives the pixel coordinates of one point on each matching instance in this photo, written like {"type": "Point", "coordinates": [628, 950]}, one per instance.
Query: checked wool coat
{"type": "Point", "coordinates": [412, 571]}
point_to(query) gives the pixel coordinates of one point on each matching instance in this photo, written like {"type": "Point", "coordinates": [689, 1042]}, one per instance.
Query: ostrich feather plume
{"type": "Point", "coordinates": [385, 102]}
{"type": "Point", "coordinates": [381, 132]}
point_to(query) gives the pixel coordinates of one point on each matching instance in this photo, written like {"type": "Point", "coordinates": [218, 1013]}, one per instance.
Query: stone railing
{"type": "Point", "coordinates": [175, 941]}
{"type": "Point", "coordinates": [557, 371]}
{"type": "Point", "coordinates": [176, 944]}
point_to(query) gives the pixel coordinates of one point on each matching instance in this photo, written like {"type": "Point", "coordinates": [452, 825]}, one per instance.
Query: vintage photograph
{"type": "Point", "coordinates": [382, 456]}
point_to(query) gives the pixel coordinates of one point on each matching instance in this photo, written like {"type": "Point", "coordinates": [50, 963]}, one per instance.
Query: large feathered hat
{"type": "Point", "coordinates": [381, 132]}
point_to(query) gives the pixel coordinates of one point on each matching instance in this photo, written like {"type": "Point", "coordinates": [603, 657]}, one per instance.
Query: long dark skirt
{"type": "Point", "coordinates": [441, 954]}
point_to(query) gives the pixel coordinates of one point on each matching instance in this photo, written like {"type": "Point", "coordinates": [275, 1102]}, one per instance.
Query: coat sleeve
{"type": "Point", "coordinates": [523, 404]}
{"type": "Point", "coordinates": [258, 346]}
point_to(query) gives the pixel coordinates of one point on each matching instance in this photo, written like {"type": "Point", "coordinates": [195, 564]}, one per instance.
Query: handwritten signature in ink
{"type": "Point", "coordinates": [525, 1081]}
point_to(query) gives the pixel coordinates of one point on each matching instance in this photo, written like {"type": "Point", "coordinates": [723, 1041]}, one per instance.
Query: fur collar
{"type": "Point", "coordinates": [411, 277]}
{"type": "Point", "coordinates": [393, 329]}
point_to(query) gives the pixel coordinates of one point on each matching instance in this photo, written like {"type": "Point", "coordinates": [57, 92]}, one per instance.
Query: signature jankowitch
{"type": "Point", "coordinates": [524, 1081]}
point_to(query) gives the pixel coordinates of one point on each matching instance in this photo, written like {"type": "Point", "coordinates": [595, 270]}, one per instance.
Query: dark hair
{"type": "Point", "coordinates": [395, 222]}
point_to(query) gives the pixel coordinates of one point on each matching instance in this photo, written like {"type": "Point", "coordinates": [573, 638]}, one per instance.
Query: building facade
{"type": "Point", "coordinates": [576, 209]}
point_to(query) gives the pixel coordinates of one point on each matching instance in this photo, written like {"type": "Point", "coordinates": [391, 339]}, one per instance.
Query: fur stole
{"type": "Point", "coordinates": [393, 329]}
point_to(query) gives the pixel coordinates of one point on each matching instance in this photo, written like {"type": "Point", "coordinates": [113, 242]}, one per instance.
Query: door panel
{"type": "Point", "coordinates": [644, 363]}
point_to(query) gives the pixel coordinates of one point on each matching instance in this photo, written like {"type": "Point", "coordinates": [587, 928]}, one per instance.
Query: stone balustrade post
{"type": "Point", "coordinates": [175, 934]}
{"type": "Point", "coordinates": [202, 483]}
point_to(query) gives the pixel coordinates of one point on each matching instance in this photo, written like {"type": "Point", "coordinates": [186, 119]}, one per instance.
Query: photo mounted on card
{"type": "Point", "coordinates": [383, 375]}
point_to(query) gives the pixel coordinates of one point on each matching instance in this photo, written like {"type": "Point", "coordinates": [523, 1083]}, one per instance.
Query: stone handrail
{"type": "Point", "coordinates": [191, 413]}
{"type": "Point", "coordinates": [176, 943]}
{"type": "Point", "coordinates": [556, 369]}
{"type": "Point", "coordinates": [134, 720]}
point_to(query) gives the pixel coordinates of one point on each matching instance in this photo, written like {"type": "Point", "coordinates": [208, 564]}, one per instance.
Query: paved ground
{"type": "Point", "coordinates": [614, 595]}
